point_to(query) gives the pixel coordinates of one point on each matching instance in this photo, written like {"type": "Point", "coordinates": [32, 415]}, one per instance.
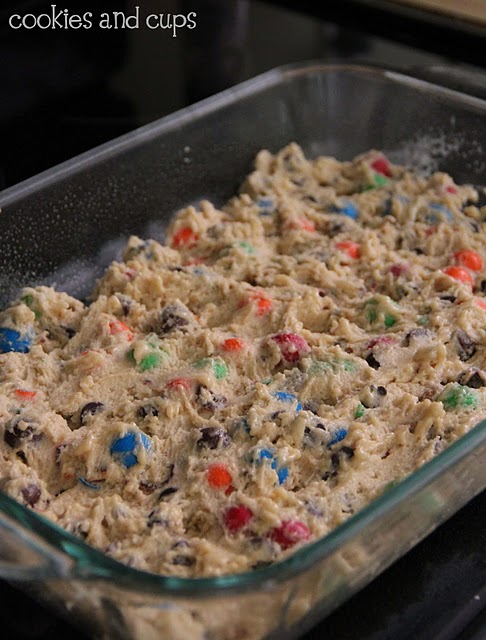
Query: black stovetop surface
{"type": "Point", "coordinates": [63, 93]}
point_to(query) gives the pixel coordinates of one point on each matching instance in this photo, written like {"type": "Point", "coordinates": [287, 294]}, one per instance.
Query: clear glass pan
{"type": "Point", "coordinates": [66, 224]}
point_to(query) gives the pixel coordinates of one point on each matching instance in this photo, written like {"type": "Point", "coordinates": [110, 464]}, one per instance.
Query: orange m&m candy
{"type": "Point", "coordinates": [459, 274]}
{"type": "Point", "coordinates": [469, 258]}
{"type": "Point", "coordinates": [218, 476]}
{"type": "Point", "coordinates": [351, 248]}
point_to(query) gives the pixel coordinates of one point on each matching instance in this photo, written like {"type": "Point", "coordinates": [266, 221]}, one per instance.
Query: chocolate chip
{"type": "Point", "coordinates": [167, 492]}
{"type": "Point", "coordinates": [335, 228]}
{"type": "Point", "coordinates": [336, 457]}
{"type": "Point", "coordinates": [184, 561]}
{"type": "Point", "coordinates": [126, 303]}
{"type": "Point", "coordinates": [154, 518]}
{"type": "Point", "coordinates": [448, 298]}
{"type": "Point", "coordinates": [147, 410]}
{"type": "Point", "coordinates": [348, 452]}
{"type": "Point", "coordinates": [307, 439]}
{"type": "Point", "coordinates": [368, 404]}
{"type": "Point", "coordinates": [311, 406]}
{"type": "Point", "coordinates": [483, 286]}
{"type": "Point", "coordinates": [212, 438]}
{"type": "Point", "coordinates": [215, 231]}
{"type": "Point", "coordinates": [69, 331]}
{"type": "Point", "coordinates": [343, 452]}
{"type": "Point", "coordinates": [372, 361]}
{"type": "Point", "coordinates": [207, 399]}
{"type": "Point", "coordinates": [335, 461]}
{"type": "Point", "coordinates": [371, 396]}
{"type": "Point", "coordinates": [17, 431]}
{"type": "Point", "coordinates": [466, 347]}
{"type": "Point", "coordinates": [308, 435]}
{"type": "Point", "coordinates": [90, 409]}
{"type": "Point", "coordinates": [315, 435]}
{"type": "Point", "coordinates": [170, 474]}
{"type": "Point", "coordinates": [170, 319]}
{"type": "Point", "coordinates": [474, 380]}
{"type": "Point", "coordinates": [21, 455]}
{"type": "Point", "coordinates": [419, 332]}
{"type": "Point", "coordinates": [31, 494]}
{"type": "Point", "coordinates": [179, 544]}
{"type": "Point", "coordinates": [148, 487]}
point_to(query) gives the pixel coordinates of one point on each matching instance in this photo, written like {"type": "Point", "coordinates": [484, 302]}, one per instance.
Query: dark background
{"type": "Point", "coordinates": [64, 92]}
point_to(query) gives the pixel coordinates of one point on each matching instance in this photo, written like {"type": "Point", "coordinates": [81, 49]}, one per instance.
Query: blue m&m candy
{"type": "Point", "coordinates": [444, 214]}
{"type": "Point", "coordinates": [282, 472]}
{"type": "Point", "coordinates": [339, 435]}
{"type": "Point", "coordinates": [12, 340]}
{"type": "Point", "coordinates": [265, 454]}
{"type": "Point", "coordinates": [124, 449]}
{"type": "Point", "coordinates": [347, 209]}
{"type": "Point", "coordinates": [266, 206]}
{"type": "Point", "coordinates": [283, 396]}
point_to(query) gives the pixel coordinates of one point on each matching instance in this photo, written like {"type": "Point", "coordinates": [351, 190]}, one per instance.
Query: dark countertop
{"type": "Point", "coordinates": [63, 93]}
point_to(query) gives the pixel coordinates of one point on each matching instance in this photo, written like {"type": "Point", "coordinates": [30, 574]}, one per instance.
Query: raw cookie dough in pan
{"type": "Point", "coordinates": [241, 391]}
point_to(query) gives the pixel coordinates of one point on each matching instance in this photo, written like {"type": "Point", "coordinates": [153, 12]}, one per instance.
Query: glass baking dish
{"type": "Point", "coordinates": [65, 225]}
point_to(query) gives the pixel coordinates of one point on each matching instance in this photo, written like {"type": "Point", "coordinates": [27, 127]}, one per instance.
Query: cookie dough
{"type": "Point", "coordinates": [244, 389]}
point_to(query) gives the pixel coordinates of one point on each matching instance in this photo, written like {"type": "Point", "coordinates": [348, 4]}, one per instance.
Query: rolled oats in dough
{"type": "Point", "coordinates": [246, 388]}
